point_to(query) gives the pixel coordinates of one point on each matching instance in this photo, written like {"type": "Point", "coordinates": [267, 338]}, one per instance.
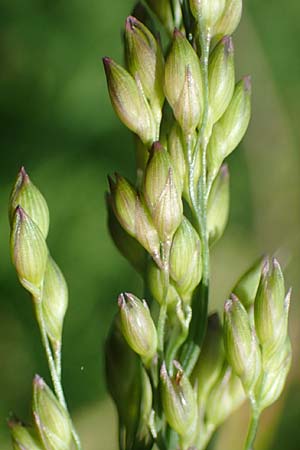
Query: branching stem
{"type": "Point", "coordinates": [53, 367]}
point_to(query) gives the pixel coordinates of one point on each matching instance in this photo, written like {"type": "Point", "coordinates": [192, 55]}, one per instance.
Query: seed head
{"type": "Point", "coordinates": [246, 287]}
{"type": "Point", "coordinates": [228, 22]}
{"type": "Point", "coordinates": [177, 156]}
{"type": "Point", "coordinates": [275, 375]}
{"type": "Point", "coordinates": [161, 193]}
{"type": "Point", "coordinates": [133, 215]}
{"type": "Point", "coordinates": [230, 129]}
{"type": "Point", "coordinates": [163, 10]}
{"type": "Point", "coordinates": [129, 102]}
{"type": "Point", "coordinates": [185, 259]}
{"type": "Point", "coordinates": [137, 325]}
{"type": "Point", "coordinates": [179, 401]}
{"type": "Point", "coordinates": [29, 251]}
{"type": "Point", "coordinates": [26, 195]}
{"type": "Point", "coordinates": [23, 437]}
{"type": "Point", "coordinates": [224, 398]}
{"type": "Point", "coordinates": [124, 198]}
{"type": "Point", "coordinates": [208, 11]}
{"type": "Point", "coordinates": [218, 205]}
{"type": "Point", "coordinates": [271, 309]}
{"type": "Point", "coordinates": [54, 301]}
{"type": "Point", "coordinates": [240, 343]}
{"type": "Point", "coordinates": [51, 419]}
{"type": "Point", "coordinates": [129, 247]}
{"type": "Point", "coordinates": [183, 83]}
{"type": "Point", "coordinates": [221, 78]}
{"type": "Point", "coordinates": [145, 62]}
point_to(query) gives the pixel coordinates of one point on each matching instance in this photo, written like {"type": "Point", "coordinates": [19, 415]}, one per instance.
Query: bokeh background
{"type": "Point", "coordinates": [56, 120]}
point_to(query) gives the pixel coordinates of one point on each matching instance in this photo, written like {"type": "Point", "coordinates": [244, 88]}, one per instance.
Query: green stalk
{"type": "Point", "coordinates": [57, 359]}
{"type": "Point", "coordinates": [205, 436]}
{"type": "Point", "coordinates": [191, 166]}
{"type": "Point", "coordinates": [161, 326]}
{"type": "Point", "coordinates": [165, 250]}
{"type": "Point", "coordinates": [52, 367]}
{"type": "Point", "coordinates": [253, 426]}
{"type": "Point", "coordinates": [199, 208]}
{"type": "Point", "coordinates": [201, 145]}
{"type": "Point", "coordinates": [173, 346]}
{"type": "Point", "coordinates": [202, 190]}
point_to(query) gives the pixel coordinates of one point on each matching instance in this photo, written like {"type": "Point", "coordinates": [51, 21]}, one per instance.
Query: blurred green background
{"type": "Point", "coordinates": [57, 121]}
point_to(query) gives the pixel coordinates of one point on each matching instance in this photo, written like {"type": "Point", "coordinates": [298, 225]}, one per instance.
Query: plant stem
{"type": "Point", "coordinates": [191, 166]}
{"type": "Point", "coordinates": [57, 359]}
{"type": "Point", "coordinates": [199, 208]}
{"type": "Point", "coordinates": [52, 367]}
{"type": "Point", "coordinates": [253, 426]}
{"type": "Point", "coordinates": [205, 436]}
{"type": "Point", "coordinates": [161, 326]}
{"type": "Point", "coordinates": [177, 339]}
{"type": "Point", "coordinates": [201, 145]}
{"type": "Point", "coordinates": [54, 376]}
{"type": "Point", "coordinates": [165, 250]}
{"type": "Point", "coordinates": [203, 193]}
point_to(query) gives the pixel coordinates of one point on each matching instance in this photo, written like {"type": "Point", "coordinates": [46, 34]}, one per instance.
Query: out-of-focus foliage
{"type": "Point", "coordinates": [56, 120]}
